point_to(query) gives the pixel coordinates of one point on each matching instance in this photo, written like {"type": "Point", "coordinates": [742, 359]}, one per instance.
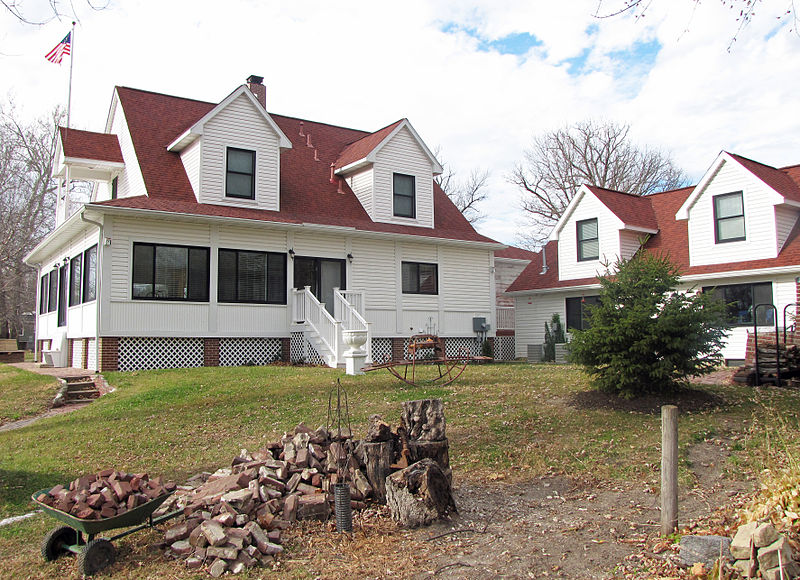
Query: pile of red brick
{"type": "Point", "coordinates": [234, 520]}
{"type": "Point", "coordinates": [105, 495]}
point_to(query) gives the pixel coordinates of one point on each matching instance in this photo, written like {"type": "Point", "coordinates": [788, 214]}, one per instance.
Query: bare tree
{"type": "Point", "coordinates": [26, 207]}
{"type": "Point", "coordinates": [743, 11]}
{"type": "Point", "coordinates": [46, 11]}
{"type": "Point", "coordinates": [465, 194]}
{"type": "Point", "coordinates": [592, 153]}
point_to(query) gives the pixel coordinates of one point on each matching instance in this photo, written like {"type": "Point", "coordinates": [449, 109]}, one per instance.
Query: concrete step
{"type": "Point", "coordinates": [84, 394]}
{"type": "Point", "coordinates": [81, 386]}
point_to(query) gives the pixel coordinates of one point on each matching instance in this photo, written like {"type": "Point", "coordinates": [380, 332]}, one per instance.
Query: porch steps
{"type": "Point", "coordinates": [80, 390]}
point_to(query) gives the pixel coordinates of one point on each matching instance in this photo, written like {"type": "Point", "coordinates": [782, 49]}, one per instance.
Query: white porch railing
{"type": "Point", "coordinates": [348, 307]}
{"type": "Point", "coordinates": [307, 309]}
{"type": "Point", "coordinates": [505, 318]}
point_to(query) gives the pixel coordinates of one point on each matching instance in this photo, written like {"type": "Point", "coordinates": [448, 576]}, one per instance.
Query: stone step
{"type": "Point", "coordinates": [84, 394]}
{"type": "Point", "coordinates": [81, 386]}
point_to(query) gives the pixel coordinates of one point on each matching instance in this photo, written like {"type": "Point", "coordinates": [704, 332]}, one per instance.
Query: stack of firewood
{"type": "Point", "coordinates": [105, 495]}
{"type": "Point", "coordinates": [768, 364]}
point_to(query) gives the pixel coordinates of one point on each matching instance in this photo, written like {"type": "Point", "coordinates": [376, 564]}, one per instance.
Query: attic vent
{"type": "Point", "coordinates": [256, 86]}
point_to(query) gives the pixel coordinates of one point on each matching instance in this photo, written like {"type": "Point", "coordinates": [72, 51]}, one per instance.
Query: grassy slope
{"type": "Point", "coordinates": [503, 422]}
{"type": "Point", "coordinates": [24, 394]}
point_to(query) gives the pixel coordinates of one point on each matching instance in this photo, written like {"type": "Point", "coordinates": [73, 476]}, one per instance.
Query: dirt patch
{"type": "Point", "coordinates": [688, 400]}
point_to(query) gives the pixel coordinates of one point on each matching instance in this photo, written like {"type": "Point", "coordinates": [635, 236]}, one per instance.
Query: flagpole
{"type": "Point", "coordinates": [71, 61]}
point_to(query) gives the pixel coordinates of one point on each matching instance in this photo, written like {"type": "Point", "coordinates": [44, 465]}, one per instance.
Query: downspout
{"type": "Point", "coordinates": [99, 287]}
{"type": "Point", "coordinates": [36, 313]}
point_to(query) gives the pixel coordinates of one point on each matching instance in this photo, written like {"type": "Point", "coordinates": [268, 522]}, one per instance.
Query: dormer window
{"type": "Point", "coordinates": [405, 203]}
{"type": "Point", "coordinates": [729, 217]}
{"type": "Point", "coordinates": [588, 241]}
{"type": "Point", "coordinates": [240, 174]}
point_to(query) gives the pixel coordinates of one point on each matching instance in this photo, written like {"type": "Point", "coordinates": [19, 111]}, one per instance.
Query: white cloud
{"type": "Point", "coordinates": [364, 65]}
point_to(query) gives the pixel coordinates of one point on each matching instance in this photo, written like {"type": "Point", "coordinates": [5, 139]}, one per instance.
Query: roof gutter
{"type": "Point", "coordinates": [349, 230]}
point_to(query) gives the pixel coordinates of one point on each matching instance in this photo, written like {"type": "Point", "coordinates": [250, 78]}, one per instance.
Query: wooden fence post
{"type": "Point", "coordinates": [669, 469]}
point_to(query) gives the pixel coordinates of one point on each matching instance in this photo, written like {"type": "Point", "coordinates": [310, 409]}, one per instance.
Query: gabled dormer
{"type": "Point", "coordinates": [599, 226]}
{"type": "Point", "coordinates": [391, 172]}
{"type": "Point", "coordinates": [740, 210]}
{"type": "Point", "coordinates": [232, 154]}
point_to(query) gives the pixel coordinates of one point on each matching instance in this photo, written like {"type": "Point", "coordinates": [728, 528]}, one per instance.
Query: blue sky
{"type": "Point", "coordinates": [477, 78]}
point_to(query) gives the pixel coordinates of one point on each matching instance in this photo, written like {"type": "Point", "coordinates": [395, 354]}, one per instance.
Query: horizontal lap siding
{"type": "Point", "coordinates": [629, 243]}
{"type": "Point", "coordinates": [531, 314]}
{"type": "Point", "coordinates": [759, 217]}
{"type": "Point", "coordinates": [465, 280]}
{"type": "Point", "coordinates": [151, 318]}
{"type": "Point", "coordinates": [191, 163]}
{"type": "Point", "coordinates": [240, 125]}
{"type": "Point", "coordinates": [505, 273]}
{"type": "Point", "coordinates": [785, 218]}
{"type": "Point", "coordinates": [130, 182]}
{"type": "Point", "coordinates": [403, 155]}
{"type": "Point", "coordinates": [362, 185]}
{"type": "Point", "coordinates": [374, 270]}
{"type": "Point", "coordinates": [252, 239]}
{"type": "Point", "coordinates": [569, 268]}
{"type": "Point", "coordinates": [319, 245]}
{"type": "Point", "coordinates": [251, 320]}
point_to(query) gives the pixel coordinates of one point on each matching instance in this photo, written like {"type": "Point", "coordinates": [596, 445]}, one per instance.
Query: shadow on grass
{"type": "Point", "coordinates": [687, 400]}
{"type": "Point", "coordinates": [16, 488]}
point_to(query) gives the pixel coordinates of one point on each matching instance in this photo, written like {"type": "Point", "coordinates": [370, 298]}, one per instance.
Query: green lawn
{"type": "Point", "coordinates": [24, 394]}
{"type": "Point", "coordinates": [504, 421]}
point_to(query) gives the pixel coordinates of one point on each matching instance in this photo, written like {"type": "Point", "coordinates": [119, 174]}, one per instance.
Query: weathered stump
{"type": "Point", "coordinates": [378, 461]}
{"type": "Point", "coordinates": [439, 451]}
{"type": "Point", "coordinates": [423, 420]}
{"type": "Point", "coordinates": [419, 494]}
{"type": "Point", "coordinates": [378, 430]}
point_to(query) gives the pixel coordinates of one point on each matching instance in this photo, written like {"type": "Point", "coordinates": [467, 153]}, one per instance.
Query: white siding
{"type": "Point", "coordinates": [153, 318]}
{"type": "Point", "coordinates": [250, 320]}
{"type": "Point", "coordinates": [629, 243]}
{"type": "Point", "coordinates": [374, 270]}
{"type": "Point", "coordinates": [402, 154]}
{"type": "Point", "coordinates": [247, 238]}
{"type": "Point", "coordinates": [608, 227]}
{"type": "Point", "coordinates": [240, 125]}
{"type": "Point", "coordinates": [531, 313]}
{"type": "Point", "coordinates": [319, 245]}
{"type": "Point", "coordinates": [130, 182]}
{"type": "Point", "coordinates": [785, 218]}
{"type": "Point", "coordinates": [419, 253]}
{"type": "Point", "coordinates": [362, 184]}
{"type": "Point", "coordinates": [759, 218]}
{"type": "Point", "coordinates": [190, 157]}
{"type": "Point", "coordinates": [464, 280]}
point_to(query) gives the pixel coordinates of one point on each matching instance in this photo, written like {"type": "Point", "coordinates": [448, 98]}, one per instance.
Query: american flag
{"type": "Point", "coordinates": [62, 48]}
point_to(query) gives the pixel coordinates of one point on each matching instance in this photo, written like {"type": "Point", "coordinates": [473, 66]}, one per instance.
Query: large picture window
{"type": "Point", "coordinates": [247, 276]}
{"type": "Point", "coordinates": [240, 173]}
{"type": "Point", "coordinates": [729, 217]}
{"type": "Point", "coordinates": [577, 313]}
{"type": "Point", "coordinates": [588, 241]}
{"type": "Point", "coordinates": [741, 299]}
{"type": "Point", "coordinates": [90, 274]}
{"type": "Point", "coordinates": [420, 278]}
{"type": "Point", "coordinates": [404, 188]}
{"type": "Point", "coordinates": [75, 277]}
{"type": "Point", "coordinates": [166, 272]}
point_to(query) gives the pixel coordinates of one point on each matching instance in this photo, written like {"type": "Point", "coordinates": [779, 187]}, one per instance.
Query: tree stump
{"type": "Point", "coordinates": [424, 420]}
{"type": "Point", "coordinates": [378, 461]}
{"type": "Point", "coordinates": [439, 451]}
{"type": "Point", "coordinates": [419, 494]}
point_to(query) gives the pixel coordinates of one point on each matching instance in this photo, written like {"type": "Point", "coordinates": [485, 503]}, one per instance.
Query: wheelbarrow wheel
{"type": "Point", "coordinates": [95, 556]}
{"type": "Point", "coordinates": [55, 542]}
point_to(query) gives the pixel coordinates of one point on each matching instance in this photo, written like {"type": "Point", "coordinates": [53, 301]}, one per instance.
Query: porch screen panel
{"type": "Point", "coordinates": [171, 272]}
{"type": "Point", "coordinates": [276, 278]}
{"type": "Point", "coordinates": [198, 275]}
{"type": "Point", "coordinates": [75, 277]}
{"type": "Point", "coordinates": [90, 274]}
{"type": "Point", "coordinates": [52, 301]}
{"type": "Point", "coordinates": [143, 264]}
{"type": "Point", "coordinates": [43, 285]}
{"type": "Point", "coordinates": [226, 279]}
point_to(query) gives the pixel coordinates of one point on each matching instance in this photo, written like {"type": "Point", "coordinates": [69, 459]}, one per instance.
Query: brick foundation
{"type": "Point", "coordinates": [108, 354]}
{"type": "Point", "coordinates": [768, 338]}
{"type": "Point", "coordinates": [210, 352]}
{"type": "Point", "coordinates": [286, 349]}
{"type": "Point", "coordinates": [398, 349]}
{"type": "Point", "coordinates": [69, 351]}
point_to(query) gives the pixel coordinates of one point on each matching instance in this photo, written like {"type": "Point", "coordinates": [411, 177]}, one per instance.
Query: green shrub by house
{"type": "Point", "coordinates": [644, 336]}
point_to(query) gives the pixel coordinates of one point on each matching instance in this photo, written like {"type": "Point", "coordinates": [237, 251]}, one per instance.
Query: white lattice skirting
{"type": "Point", "coordinates": [504, 348]}
{"type": "Point", "coordinates": [248, 351]}
{"type": "Point", "coordinates": [456, 346]}
{"type": "Point", "coordinates": [139, 353]}
{"type": "Point", "coordinates": [301, 351]}
{"type": "Point", "coordinates": [381, 349]}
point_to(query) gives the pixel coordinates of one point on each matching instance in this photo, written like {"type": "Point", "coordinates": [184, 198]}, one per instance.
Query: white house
{"type": "Point", "coordinates": [221, 234]}
{"type": "Point", "coordinates": [736, 233]}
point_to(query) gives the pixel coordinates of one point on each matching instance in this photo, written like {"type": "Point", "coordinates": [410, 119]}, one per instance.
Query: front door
{"type": "Point", "coordinates": [322, 275]}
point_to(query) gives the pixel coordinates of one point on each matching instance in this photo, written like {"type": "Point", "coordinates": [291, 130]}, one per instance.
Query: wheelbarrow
{"type": "Point", "coordinates": [79, 536]}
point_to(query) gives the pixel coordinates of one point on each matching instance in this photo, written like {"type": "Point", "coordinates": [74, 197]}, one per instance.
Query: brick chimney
{"type": "Point", "coordinates": [256, 86]}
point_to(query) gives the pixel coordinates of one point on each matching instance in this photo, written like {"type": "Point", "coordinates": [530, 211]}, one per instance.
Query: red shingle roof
{"type": "Point", "coordinates": [364, 146]}
{"type": "Point", "coordinates": [777, 179]}
{"type": "Point", "coordinates": [89, 145]}
{"type": "Point", "coordinates": [633, 210]}
{"type": "Point", "coordinates": [672, 239]}
{"type": "Point", "coordinates": [513, 253]}
{"type": "Point", "coordinates": [307, 195]}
